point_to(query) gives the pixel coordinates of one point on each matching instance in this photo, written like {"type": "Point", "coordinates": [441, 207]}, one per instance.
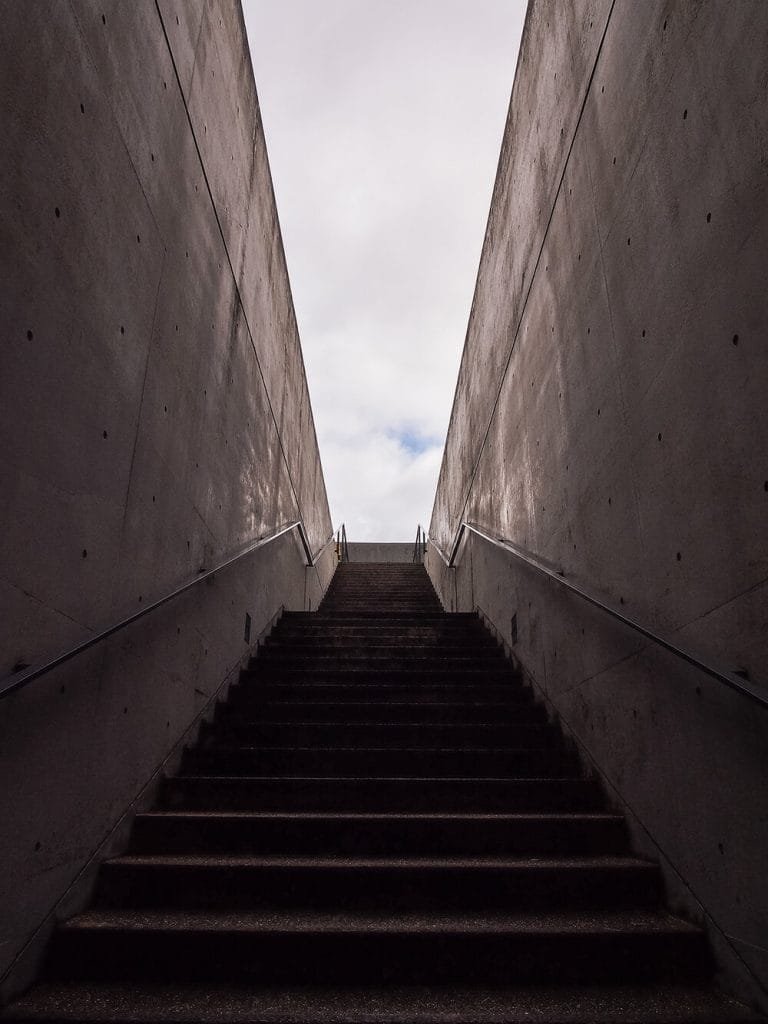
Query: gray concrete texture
{"type": "Point", "coordinates": [154, 410]}
{"type": "Point", "coordinates": [360, 551]}
{"type": "Point", "coordinates": [610, 417]}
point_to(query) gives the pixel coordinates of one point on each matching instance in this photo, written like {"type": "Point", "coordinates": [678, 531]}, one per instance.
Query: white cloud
{"type": "Point", "coordinates": [383, 121]}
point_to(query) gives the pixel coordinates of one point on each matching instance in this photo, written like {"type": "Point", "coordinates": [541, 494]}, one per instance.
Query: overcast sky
{"type": "Point", "coordinates": [383, 121]}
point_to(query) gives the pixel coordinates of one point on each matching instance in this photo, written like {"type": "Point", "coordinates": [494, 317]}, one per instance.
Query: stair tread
{"type": "Point", "coordinates": [608, 863]}
{"type": "Point", "coordinates": [383, 652]}
{"type": "Point", "coordinates": [479, 780]}
{"type": "Point", "coordinates": [241, 748]}
{"type": "Point", "coordinates": [422, 726]}
{"type": "Point", "coordinates": [492, 705]}
{"type": "Point", "coordinates": [361, 922]}
{"type": "Point", "coordinates": [185, 1004]}
{"type": "Point", "coordinates": [358, 816]}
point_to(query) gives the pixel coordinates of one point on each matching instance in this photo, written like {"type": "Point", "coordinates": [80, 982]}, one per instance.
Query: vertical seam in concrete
{"type": "Point", "coordinates": [536, 264]}
{"type": "Point", "coordinates": [119, 131]}
{"type": "Point", "coordinates": [229, 259]}
{"type": "Point", "coordinates": [194, 52]}
{"type": "Point", "coordinates": [116, 574]}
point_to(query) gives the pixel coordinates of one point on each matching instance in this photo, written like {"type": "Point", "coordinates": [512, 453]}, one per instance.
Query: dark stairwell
{"type": "Point", "coordinates": [380, 825]}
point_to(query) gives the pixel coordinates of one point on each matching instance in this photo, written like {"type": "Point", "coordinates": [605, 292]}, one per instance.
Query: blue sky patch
{"type": "Point", "coordinates": [414, 443]}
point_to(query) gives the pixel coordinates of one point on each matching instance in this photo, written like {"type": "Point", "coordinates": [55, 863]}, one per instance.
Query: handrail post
{"type": "Point", "coordinates": [344, 545]}
{"type": "Point", "coordinates": [305, 544]}
{"type": "Point", "coordinates": [455, 549]}
{"type": "Point", "coordinates": [420, 544]}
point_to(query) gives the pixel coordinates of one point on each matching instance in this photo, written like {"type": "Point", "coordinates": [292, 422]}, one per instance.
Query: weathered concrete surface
{"type": "Point", "coordinates": [373, 552]}
{"type": "Point", "coordinates": [610, 416]}
{"type": "Point", "coordinates": [154, 411]}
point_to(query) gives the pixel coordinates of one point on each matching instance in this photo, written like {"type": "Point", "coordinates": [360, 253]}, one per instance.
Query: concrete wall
{"type": "Point", "coordinates": [373, 552]}
{"type": "Point", "coordinates": [610, 416]}
{"type": "Point", "coordinates": [154, 412]}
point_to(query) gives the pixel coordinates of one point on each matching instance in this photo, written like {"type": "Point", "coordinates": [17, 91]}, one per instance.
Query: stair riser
{"type": "Point", "coordinates": [340, 958]}
{"type": "Point", "coordinates": [387, 587]}
{"type": "Point", "coordinates": [398, 659]}
{"type": "Point", "coordinates": [369, 603]}
{"type": "Point", "coordinates": [396, 590]}
{"type": "Point", "coordinates": [383, 735]}
{"type": "Point", "coordinates": [388, 619]}
{"type": "Point", "coordinates": [470, 632]}
{"type": "Point", "coordinates": [386, 582]}
{"type": "Point", "coordinates": [382, 596]}
{"type": "Point", "coordinates": [375, 888]}
{"type": "Point", "coordinates": [422, 677]}
{"type": "Point", "coordinates": [450, 764]}
{"type": "Point", "coordinates": [385, 713]}
{"type": "Point", "coordinates": [381, 795]}
{"type": "Point", "coordinates": [385, 642]}
{"type": "Point", "coordinates": [371, 837]}
{"type": "Point", "coordinates": [426, 693]}
{"type": "Point", "coordinates": [373, 605]}
{"type": "Point", "coordinates": [365, 603]}
{"type": "Point", "coordinates": [351, 603]}
{"type": "Point", "coordinates": [377, 642]}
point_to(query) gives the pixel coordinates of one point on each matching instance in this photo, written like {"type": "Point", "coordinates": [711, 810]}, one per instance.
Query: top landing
{"type": "Point", "coordinates": [381, 552]}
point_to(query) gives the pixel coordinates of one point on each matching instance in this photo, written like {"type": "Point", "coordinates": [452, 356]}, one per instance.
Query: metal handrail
{"type": "Point", "coordinates": [730, 679]}
{"type": "Point", "coordinates": [321, 550]}
{"type": "Point", "coordinates": [342, 548]}
{"type": "Point", "coordinates": [16, 680]}
{"type": "Point", "coordinates": [420, 545]}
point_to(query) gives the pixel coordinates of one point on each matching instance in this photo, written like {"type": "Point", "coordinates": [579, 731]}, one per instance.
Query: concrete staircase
{"type": "Point", "coordinates": [379, 825]}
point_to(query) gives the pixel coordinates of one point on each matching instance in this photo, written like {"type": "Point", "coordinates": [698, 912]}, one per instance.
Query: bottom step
{"type": "Point", "coordinates": [122, 1004]}
{"type": "Point", "coordinates": [312, 948]}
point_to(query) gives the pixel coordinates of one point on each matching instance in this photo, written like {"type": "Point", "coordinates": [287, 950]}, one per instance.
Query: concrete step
{"type": "Point", "coordinates": [379, 734]}
{"type": "Point", "coordinates": [388, 619]}
{"type": "Point", "coordinates": [366, 834]}
{"type": "Point", "coordinates": [392, 657]}
{"type": "Point", "coordinates": [379, 640]}
{"type": "Point", "coordinates": [158, 1003]}
{"type": "Point", "coordinates": [434, 712]}
{"type": "Point", "coordinates": [313, 948]}
{"type": "Point", "coordinates": [328, 793]}
{"type": "Point", "coordinates": [370, 599]}
{"type": "Point", "coordinates": [372, 627]}
{"type": "Point", "coordinates": [352, 762]}
{"type": "Point", "coordinates": [377, 596]}
{"type": "Point", "coordinates": [382, 883]}
{"type": "Point", "coordinates": [394, 591]}
{"type": "Point", "coordinates": [340, 687]}
{"type": "Point", "coordinates": [384, 670]}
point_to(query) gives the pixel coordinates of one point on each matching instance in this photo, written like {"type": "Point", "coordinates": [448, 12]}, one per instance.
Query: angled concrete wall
{"type": "Point", "coordinates": [610, 416]}
{"type": "Point", "coordinates": [154, 411]}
